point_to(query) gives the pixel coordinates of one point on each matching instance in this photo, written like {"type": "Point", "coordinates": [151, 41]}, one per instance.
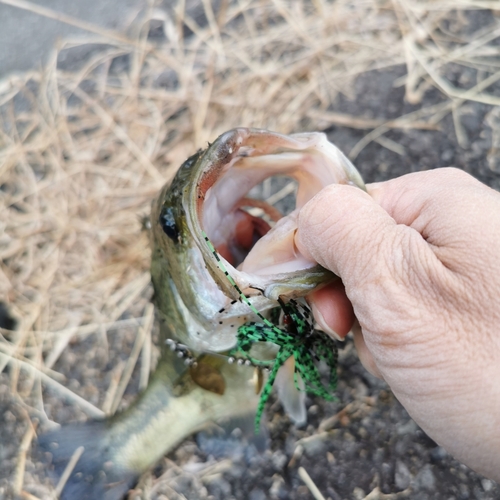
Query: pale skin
{"type": "Point", "coordinates": [419, 257]}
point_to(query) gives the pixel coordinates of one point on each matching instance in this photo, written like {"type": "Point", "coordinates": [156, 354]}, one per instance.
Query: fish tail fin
{"type": "Point", "coordinates": [95, 475]}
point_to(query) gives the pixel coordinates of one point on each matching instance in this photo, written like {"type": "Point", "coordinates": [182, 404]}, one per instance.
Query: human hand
{"type": "Point", "coordinates": [420, 262]}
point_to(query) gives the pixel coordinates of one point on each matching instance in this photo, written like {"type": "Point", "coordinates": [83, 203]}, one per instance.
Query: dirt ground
{"type": "Point", "coordinates": [365, 445]}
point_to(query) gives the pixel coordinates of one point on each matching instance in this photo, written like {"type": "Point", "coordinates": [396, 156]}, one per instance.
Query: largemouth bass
{"type": "Point", "coordinates": [208, 253]}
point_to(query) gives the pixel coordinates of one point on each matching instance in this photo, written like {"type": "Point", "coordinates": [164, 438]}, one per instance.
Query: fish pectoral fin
{"type": "Point", "coordinates": [293, 400]}
{"type": "Point", "coordinates": [208, 377]}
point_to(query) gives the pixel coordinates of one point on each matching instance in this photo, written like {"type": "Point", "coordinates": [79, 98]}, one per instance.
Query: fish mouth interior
{"type": "Point", "coordinates": [253, 235]}
{"type": "Point", "coordinates": [254, 215]}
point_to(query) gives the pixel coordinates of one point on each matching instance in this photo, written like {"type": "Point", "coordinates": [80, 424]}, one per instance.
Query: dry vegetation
{"type": "Point", "coordinates": [82, 153]}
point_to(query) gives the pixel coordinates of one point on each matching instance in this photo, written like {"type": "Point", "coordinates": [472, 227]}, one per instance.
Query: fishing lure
{"type": "Point", "coordinates": [297, 338]}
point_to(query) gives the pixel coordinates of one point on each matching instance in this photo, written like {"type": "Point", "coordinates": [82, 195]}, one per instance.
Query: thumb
{"type": "Point", "coordinates": [345, 230]}
{"type": "Point", "coordinates": [379, 261]}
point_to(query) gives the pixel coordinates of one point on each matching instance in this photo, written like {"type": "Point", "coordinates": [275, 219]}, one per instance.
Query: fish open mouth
{"type": "Point", "coordinates": [241, 159]}
{"type": "Point", "coordinates": [227, 259]}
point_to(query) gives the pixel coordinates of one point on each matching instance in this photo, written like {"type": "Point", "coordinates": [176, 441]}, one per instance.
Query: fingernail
{"type": "Point", "coordinates": [324, 326]}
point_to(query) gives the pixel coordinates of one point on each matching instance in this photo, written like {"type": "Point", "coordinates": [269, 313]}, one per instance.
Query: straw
{"type": "Point", "coordinates": [83, 152]}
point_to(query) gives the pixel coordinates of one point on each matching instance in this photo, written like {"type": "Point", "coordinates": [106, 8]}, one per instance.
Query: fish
{"type": "Point", "coordinates": [215, 267]}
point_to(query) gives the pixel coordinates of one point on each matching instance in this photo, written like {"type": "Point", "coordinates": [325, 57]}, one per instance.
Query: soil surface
{"type": "Point", "coordinates": [365, 445]}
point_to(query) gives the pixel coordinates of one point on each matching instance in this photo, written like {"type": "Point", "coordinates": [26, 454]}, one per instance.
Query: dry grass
{"type": "Point", "coordinates": [83, 153]}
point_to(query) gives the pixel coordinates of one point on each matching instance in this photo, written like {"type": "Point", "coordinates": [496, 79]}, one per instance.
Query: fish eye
{"type": "Point", "coordinates": [167, 223]}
